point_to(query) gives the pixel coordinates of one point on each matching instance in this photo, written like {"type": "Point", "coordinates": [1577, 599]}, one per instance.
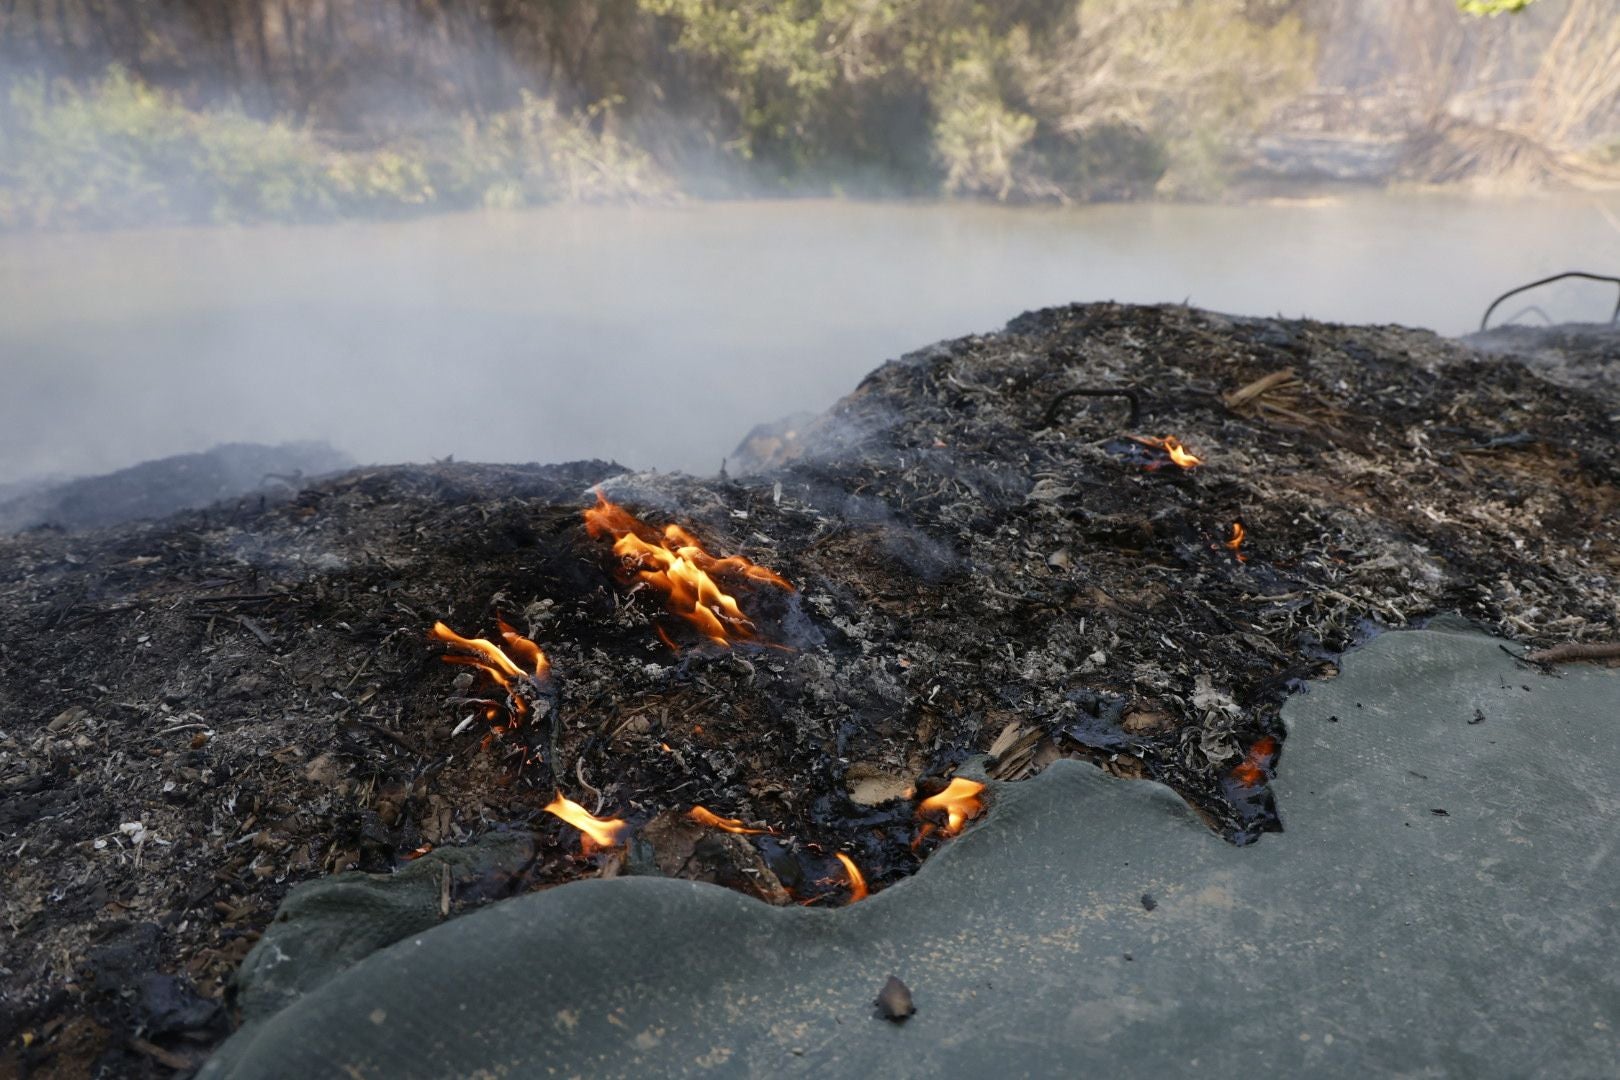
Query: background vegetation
{"type": "Point", "coordinates": [233, 110]}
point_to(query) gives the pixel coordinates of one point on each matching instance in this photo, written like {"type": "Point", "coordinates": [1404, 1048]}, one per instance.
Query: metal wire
{"type": "Point", "coordinates": [1128, 393]}
{"type": "Point", "coordinates": [1615, 317]}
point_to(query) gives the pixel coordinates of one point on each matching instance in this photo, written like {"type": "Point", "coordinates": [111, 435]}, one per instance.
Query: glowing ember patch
{"type": "Point", "coordinates": [1251, 771]}
{"type": "Point", "coordinates": [959, 803]}
{"type": "Point", "coordinates": [704, 816]}
{"type": "Point", "coordinates": [1171, 446]}
{"type": "Point", "coordinates": [676, 565]}
{"type": "Point", "coordinates": [594, 832]}
{"type": "Point", "coordinates": [1235, 544]}
{"type": "Point", "coordinates": [857, 883]}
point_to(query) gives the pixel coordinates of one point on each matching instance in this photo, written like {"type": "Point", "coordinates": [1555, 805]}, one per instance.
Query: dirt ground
{"type": "Point", "coordinates": [200, 712]}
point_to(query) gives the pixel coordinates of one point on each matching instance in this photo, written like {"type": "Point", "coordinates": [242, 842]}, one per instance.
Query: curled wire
{"type": "Point", "coordinates": [1095, 391]}
{"type": "Point", "coordinates": [1615, 317]}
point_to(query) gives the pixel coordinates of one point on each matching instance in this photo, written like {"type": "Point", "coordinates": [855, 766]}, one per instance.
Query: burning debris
{"type": "Point", "coordinates": [947, 566]}
{"type": "Point", "coordinates": [950, 809]}
{"type": "Point", "coordinates": [714, 821]}
{"type": "Point", "coordinates": [678, 568]}
{"type": "Point", "coordinates": [1257, 765]}
{"type": "Point", "coordinates": [857, 882]}
{"type": "Point", "coordinates": [1174, 452]}
{"type": "Point", "coordinates": [525, 692]}
{"type": "Point", "coordinates": [1234, 543]}
{"type": "Point", "coordinates": [594, 832]}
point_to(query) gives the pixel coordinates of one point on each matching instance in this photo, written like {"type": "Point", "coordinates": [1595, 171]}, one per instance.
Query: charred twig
{"type": "Point", "coordinates": [252, 627]}
{"type": "Point", "coordinates": [1584, 275]}
{"type": "Point", "coordinates": [167, 1058]}
{"type": "Point", "coordinates": [1129, 393]}
{"type": "Point", "coordinates": [240, 598]}
{"type": "Point", "coordinates": [1575, 650]}
{"type": "Point", "coordinates": [393, 736]}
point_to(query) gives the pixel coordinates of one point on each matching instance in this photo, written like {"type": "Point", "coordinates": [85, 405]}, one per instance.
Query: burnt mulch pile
{"type": "Point", "coordinates": [197, 714]}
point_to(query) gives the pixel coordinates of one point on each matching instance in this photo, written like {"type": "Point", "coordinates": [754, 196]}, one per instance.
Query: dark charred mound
{"type": "Point", "coordinates": [198, 713]}
{"type": "Point", "coordinates": [159, 488]}
{"type": "Point", "coordinates": [1581, 355]}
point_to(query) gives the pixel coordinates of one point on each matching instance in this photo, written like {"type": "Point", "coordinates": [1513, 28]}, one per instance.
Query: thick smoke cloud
{"type": "Point", "coordinates": [658, 337]}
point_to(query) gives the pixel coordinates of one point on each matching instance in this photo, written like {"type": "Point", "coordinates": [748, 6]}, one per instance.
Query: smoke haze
{"type": "Point", "coordinates": [658, 337]}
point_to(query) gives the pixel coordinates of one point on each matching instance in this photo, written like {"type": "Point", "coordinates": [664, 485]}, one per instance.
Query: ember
{"type": "Point", "coordinates": [679, 568]}
{"type": "Point", "coordinates": [704, 816]}
{"type": "Point", "coordinates": [1235, 544]}
{"type": "Point", "coordinates": [594, 832]}
{"type": "Point", "coordinates": [857, 883]}
{"type": "Point", "coordinates": [959, 803]}
{"type": "Point", "coordinates": [1171, 445]}
{"type": "Point", "coordinates": [1256, 765]}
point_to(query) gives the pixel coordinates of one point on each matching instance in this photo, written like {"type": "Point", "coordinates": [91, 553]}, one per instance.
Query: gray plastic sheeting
{"type": "Point", "coordinates": [1445, 902]}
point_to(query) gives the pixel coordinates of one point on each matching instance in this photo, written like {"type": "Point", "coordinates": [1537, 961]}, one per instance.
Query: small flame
{"type": "Point", "coordinates": [857, 883]}
{"type": "Point", "coordinates": [594, 832]}
{"type": "Point", "coordinates": [486, 656]}
{"type": "Point", "coordinates": [959, 802]}
{"type": "Point", "coordinates": [524, 649]}
{"type": "Point", "coordinates": [1235, 545]}
{"type": "Point", "coordinates": [679, 568]}
{"type": "Point", "coordinates": [1171, 446]}
{"type": "Point", "coordinates": [704, 816]}
{"type": "Point", "coordinates": [1252, 770]}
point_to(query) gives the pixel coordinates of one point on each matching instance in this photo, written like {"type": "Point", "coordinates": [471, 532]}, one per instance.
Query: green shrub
{"type": "Point", "coordinates": [535, 153]}
{"type": "Point", "coordinates": [118, 153]}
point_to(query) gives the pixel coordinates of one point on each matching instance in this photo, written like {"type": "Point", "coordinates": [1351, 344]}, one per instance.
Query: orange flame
{"type": "Point", "coordinates": [1235, 545]}
{"type": "Point", "coordinates": [1251, 772]}
{"type": "Point", "coordinates": [594, 832]}
{"type": "Point", "coordinates": [704, 816]}
{"type": "Point", "coordinates": [486, 656]}
{"type": "Point", "coordinates": [524, 649]}
{"type": "Point", "coordinates": [1172, 446]}
{"type": "Point", "coordinates": [857, 883]}
{"type": "Point", "coordinates": [960, 802]}
{"type": "Point", "coordinates": [678, 567]}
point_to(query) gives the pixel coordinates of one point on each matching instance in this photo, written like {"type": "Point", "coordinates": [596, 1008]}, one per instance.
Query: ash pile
{"type": "Point", "coordinates": [1117, 533]}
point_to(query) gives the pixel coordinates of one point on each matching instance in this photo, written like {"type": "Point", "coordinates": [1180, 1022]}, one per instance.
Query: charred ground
{"type": "Point", "coordinates": [197, 713]}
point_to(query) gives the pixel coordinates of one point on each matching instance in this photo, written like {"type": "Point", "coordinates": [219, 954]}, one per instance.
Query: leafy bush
{"type": "Point", "coordinates": [535, 154]}
{"type": "Point", "coordinates": [120, 153]}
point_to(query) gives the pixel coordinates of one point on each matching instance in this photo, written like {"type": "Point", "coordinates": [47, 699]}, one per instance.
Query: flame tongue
{"type": "Point", "coordinates": [595, 832]}
{"type": "Point", "coordinates": [524, 649]}
{"type": "Point", "coordinates": [959, 803]}
{"type": "Point", "coordinates": [486, 656]}
{"type": "Point", "coordinates": [704, 816]}
{"type": "Point", "coordinates": [1235, 544]}
{"type": "Point", "coordinates": [857, 881]}
{"type": "Point", "coordinates": [1171, 446]}
{"type": "Point", "coordinates": [678, 567]}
